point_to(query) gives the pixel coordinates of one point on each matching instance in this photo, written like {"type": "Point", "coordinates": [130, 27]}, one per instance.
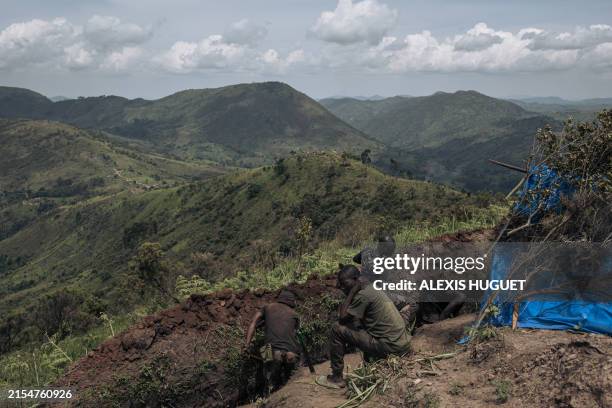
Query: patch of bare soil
{"type": "Point", "coordinates": [187, 356]}
{"type": "Point", "coordinates": [522, 368]}
{"type": "Point", "coordinates": [303, 392]}
{"type": "Point", "coordinates": [479, 235]}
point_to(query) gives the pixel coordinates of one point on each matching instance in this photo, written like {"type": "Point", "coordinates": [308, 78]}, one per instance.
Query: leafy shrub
{"type": "Point", "coordinates": [65, 312]}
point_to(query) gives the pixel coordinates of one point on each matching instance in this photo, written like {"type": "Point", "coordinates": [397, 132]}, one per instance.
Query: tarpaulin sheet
{"type": "Point", "coordinates": [580, 315]}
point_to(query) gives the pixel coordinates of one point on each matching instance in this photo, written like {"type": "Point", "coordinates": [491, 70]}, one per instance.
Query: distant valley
{"type": "Point", "coordinates": [446, 137]}
{"type": "Point", "coordinates": [249, 125]}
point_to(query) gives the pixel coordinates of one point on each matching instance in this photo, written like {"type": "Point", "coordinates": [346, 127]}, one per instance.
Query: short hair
{"type": "Point", "coordinates": [287, 297]}
{"type": "Point", "coordinates": [348, 272]}
{"type": "Point", "coordinates": [386, 245]}
{"type": "Point", "coordinates": [385, 237]}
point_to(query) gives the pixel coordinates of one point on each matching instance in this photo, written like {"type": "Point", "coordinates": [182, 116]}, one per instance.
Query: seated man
{"type": "Point", "coordinates": [383, 333]}
{"type": "Point", "coordinates": [280, 352]}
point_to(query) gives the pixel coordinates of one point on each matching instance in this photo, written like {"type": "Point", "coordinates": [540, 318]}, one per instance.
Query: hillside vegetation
{"type": "Point", "coordinates": [428, 121]}
{"type": "Point", "coordinates": [47, 164]}
{"type": "Point", "coordinates": [242, 222]}
{"type": "Point", "coordinates": [246, 124]}
{"type": "Point", "coordinates": [446, 137]}
{"type": "Point", "coordinates": [561, 109]}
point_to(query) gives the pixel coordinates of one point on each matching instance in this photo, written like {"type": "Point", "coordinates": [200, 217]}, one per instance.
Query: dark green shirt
{"type": "Point", "coordinates": [380, 318]}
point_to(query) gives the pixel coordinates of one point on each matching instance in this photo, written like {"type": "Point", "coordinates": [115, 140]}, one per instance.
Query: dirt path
{"type": "Point", "coordinates": [303, 392]}
{"type": "Point", "coordinates": [523, 368]}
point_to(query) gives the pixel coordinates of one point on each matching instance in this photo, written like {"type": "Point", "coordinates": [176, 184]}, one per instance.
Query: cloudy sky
{"type": "Point", "coordinates": [151, 48]}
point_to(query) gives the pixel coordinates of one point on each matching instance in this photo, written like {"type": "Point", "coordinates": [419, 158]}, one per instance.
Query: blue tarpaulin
{"type": "Point", "coordinates": [576, 315]}
{"type": "Point", "coordinates": [593, 317]}
{"type": "Point", "coordinates": [542, 178]}
{"type": "Point", "coordinates": [586, 316]}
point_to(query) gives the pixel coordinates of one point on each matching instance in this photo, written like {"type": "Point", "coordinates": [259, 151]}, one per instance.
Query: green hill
{"type": "Point", "coordinates": [561, 109]}
{"type": "Point", "coordinates": [446, 137]}
{"type": "Point", "coordinates": [47, 164]}
{"type": "Point", "coordinates": [428, 121]}
{"type": "Point", "coordinates": [23, 103]}
{"type": "Point", "coordinates": [214, 228]}
{"type": "Point", "coordinates": [246, 124]}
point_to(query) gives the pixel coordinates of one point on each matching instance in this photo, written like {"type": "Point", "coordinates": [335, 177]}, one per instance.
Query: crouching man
{"type": "Point", "coordinates": [368, 320]}
{"type": "Point", "coordinates": [280, 353]}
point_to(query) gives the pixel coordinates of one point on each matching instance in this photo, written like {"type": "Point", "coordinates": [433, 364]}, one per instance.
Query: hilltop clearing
{"type": "Point", "coordinates": [526, 368]}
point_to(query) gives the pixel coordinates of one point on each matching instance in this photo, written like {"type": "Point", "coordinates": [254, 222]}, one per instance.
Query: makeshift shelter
{"type": "Point", "coordinates": [581, 313]}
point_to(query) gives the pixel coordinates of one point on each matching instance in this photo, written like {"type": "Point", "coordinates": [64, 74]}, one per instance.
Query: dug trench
{"type": "Point", "coordinates": [520, 368]}
{"type": "Point", "coordinates": [191, 356]}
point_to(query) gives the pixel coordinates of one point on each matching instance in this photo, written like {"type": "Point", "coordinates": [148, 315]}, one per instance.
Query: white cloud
{"type": "Point", "coordinates": [482, 49]}
{"type": "Point", "coordinates": [273, 61]}
{"type": "Point", "coordinates": [477, 38]}
{"type": "Point", "coordinates": [211, 52]}
{"type": "Point", "coordinates": [123, 59]}
{"type": "Point", "coordinates": [364, 21]}
{"type": "Point", "coordinates": [355, 40]}
{"type": "Point", "coordinates": [99, 44]}
{"type": "Point", "coordinates": [233, 51]}
{"type": "Point", "coordinates": [245, 32]}
{"type": "Point", "coordinates": [581, 38]}
{"type": "Point", "coordinates": [34, 42]}
{"type": "Point", "coordinates": [109, 32]}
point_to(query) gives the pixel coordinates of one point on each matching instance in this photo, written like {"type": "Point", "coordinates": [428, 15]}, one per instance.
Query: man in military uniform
{"type": "Point", "coordinates": [280, 352]}
{"type": "Point", "coordinates": [368, 320]}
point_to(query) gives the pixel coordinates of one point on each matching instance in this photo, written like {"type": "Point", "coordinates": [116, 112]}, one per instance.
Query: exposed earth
{"type": "Point", "coordinates": [535, 368]}
{"type": "Point", "coordinates": [190, 356]}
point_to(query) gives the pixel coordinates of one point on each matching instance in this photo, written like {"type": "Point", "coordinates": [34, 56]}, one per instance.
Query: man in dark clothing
{"type": "Point", "coordinates": [407, 303]}
{"type": "Point", "coordinates": [383, 330]}
{"type": "Point", "coordinates": [412, 308]}
{"type": "Point", "coordinates": [280, 352]}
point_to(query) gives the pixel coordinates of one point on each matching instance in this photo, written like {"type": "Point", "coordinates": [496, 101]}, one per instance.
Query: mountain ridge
{"type": "Point", "coordinates": [244, 124]}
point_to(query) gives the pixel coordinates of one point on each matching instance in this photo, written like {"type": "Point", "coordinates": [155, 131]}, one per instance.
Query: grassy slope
{"type": "Point", "coordinates": [88, 245]}
{"type": "Point", "coordinates": [37, 153]}
{"type": "Point", "coordinates": [50, 363]}
{"type": "Point", "coordinates": [48, 164]}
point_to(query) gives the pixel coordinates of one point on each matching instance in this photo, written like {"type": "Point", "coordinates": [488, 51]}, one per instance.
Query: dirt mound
{"type": "Point", "coordinates": [522, 368]}
{"type": "Point", "coordinates": [578, 374]}
{"type": "Point", "coordinates": [479, 235]}
{"type": "Point", "coordinates": [186, 356]}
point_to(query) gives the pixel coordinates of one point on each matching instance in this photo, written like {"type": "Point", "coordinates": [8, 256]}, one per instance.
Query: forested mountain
{"type": "Point", "coordinates": [447, 137]}
{"type": "Point", "coordinates": [246, 124]}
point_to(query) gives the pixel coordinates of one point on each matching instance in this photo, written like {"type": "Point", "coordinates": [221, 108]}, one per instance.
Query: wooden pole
{"type": "Point", "coordinates": [508, 166]}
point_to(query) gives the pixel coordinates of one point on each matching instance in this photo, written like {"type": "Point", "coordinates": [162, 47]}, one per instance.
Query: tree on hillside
{"type": "Point", "coordinates": [9, 332]}
{"type": "Point", "coordinates": [153, 270]}
{"type": "Point", "coordinates": [365, 156]}
{"type": "Point", "coordinates": [65, 312]}
{"type": "Point", "coordinates": [303, 235]}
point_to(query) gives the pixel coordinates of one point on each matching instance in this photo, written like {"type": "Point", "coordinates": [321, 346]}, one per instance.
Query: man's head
{"type": "Point", "coordinates": [386, 245]}
{"type": "Point", "coordinates": [348, 276]}
{"type": "Point", "coordinates": [286, 297]}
